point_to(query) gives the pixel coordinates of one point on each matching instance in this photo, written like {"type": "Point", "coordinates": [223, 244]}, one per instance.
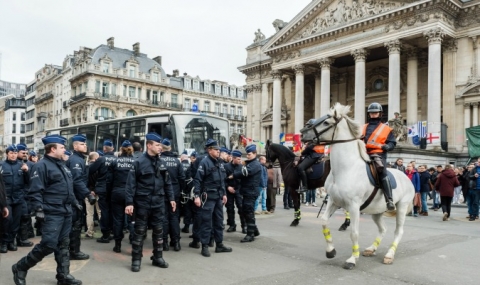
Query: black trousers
{"type": "Point", "coordinates": [446, 204]}
{"type": "Point", "coordinates": [249, 212]}
{"type": "Point", "coordinates": [106, 219]}
{"type": "Point", "coordinates": [171, 223]}
{"type": "Point", "coordinates": [271, 197]}
{"type": "Point", "coordinates": [234, 199]}
{"type": "Point", "coordinates": [211, 218]}
{"type": "Point", "coordinates": [11, 224]}
{"type": "Point", "coordinates": [118, 214]}
{"type": "Point", "coordinates": [187, 212]}
{"type": "Point", "coordinates": [145, 216]}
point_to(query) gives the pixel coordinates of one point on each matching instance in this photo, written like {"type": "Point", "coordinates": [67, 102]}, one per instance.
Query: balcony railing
{"type": "Point", "coordinates": [42, 115]}
{"type": "Point", "coordinates": [78, 97]}
{"type": "Point", "coordinates": [43, 97]}
{"type": "Point", "coordinates": [102, 118]}
{"type": "Point", "coordinates": [64, 122]}
{"type": "Point", "coordinates": [65, 104]}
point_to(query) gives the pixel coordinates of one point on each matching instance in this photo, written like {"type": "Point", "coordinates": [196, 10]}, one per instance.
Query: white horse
{"type": "Point", "coordinates": [349, 186]}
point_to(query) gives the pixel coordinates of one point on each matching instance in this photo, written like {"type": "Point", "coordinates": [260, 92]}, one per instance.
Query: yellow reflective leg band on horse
{"type": "Point", "coordinates": [394, 246]}
{"type": "Point", "coordinates": [355, 250]}
{"type": "Point", "coordinates": [326, 233]}
{"type": "Point", "coordinates": [377, 241]}
{"type": "Point", "coordinates": [347, 215]}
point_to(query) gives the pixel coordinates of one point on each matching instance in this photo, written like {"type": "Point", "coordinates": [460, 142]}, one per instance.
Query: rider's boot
{"type": "Point", "coordinates": [304, 179]}
{"type": "Point", "coordinates": [387, 191]}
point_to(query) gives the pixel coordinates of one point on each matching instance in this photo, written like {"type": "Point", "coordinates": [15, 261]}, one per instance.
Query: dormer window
{"type": "Point", "coordinates": [188, 84]}
{"type": "Point", "coordinates": [196, 85]}
{"type": "Point", "coordinates": [155, 77]}
{"type": "Point", "coordinates": [217, 89]}
{"type": "Point", "coordinates": [106, 67]}
{"type": "Point", "coordinates": [206, 87]}
{"type": "Point", "coordinates": [225, 91]}
{"type": "Point", "coordinates": [232, 92]}
{"type": "Point", "coordinates": [131, 71]}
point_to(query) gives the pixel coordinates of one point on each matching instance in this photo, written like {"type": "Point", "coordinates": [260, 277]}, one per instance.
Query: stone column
{"type": "Point", "coordinates": [393, 47]}
{"type": "Point", "coordinates": [263, 133]}
{"type": "Point", "coordinates": [475, 114]}
{"type": "Point", "coordinates": [299, 97]}
{"type": "Point", "coordinates": [250, 102]}
{"type": "Point", "coordinates": [360, 55]}
{"type": "Point", "coordinates": [257, 89]}
{"type": "Point", "coordinates": [434, 37]}
{"type": "Point", "coordinates": [317, 94]}
{"type": "Point", "coordinates": [412, 86]}
{"type": "Point", "coordinates": [277, 105]}
{"type": "Point", "coordinates": [476, 57]}
{"type": "Point", "coordinates": [467, 115]}
{"type": "Point", "coordinates": [325, 90]}
{"type": "Point", "coordinates": [449, 90]}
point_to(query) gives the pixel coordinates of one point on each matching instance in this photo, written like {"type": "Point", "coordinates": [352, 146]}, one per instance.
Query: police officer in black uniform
{"type": "Point", "coordinates": [250, 175]}
{"type": "Point", "coordinates": [186, 201]}
{"type": "Point", "coordinates": [16, 179]}
{"type": "Point", "coordinates": [147, 185]}
{"type": "Point", "coordinates": [120, 169]}
{"type": "Point", "coordinates": [77, 165]}
{"type": "Point", "coordinates": [233, 193]}
{"type": "Point", "coordinates": [52, 198]}
{"type": "Point", "coordinates": [171, 224]}
{"type": "Point", "coordinates": [103, 188]}
{"type": "Point", "coordinates": [26, 228]}
{"type": "Point", "coordinates": [209, 183]}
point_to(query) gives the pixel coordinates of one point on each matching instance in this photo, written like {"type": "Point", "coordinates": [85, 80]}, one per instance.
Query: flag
{"type": "Point", "coordinates": [412, 131]}
{"type": "Point", "coordinates": [433, 138]}
{"type": "Point", "coordinates": [422, 129]}
{"type": "Point", "coordinates": [282, 138]}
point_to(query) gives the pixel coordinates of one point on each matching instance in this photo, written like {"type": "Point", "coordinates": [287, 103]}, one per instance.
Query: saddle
{"type": "Point", "coordinates": [372, 174]}
{"type": "Point", "coordinates": [316, 171]}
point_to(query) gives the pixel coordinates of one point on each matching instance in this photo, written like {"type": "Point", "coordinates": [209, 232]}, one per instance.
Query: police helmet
{"type": "Point", "coordinates": [374, 108]}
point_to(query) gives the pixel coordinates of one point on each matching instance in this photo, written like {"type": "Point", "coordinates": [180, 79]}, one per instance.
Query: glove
{"type": "Point", "coordinates": [244, 171]}
{"type": "Point", "coordinates": [385, 147]}
{"type": "Point", "coordinates": [40, 215]}
{"type": "Point", "coordinates": [91, 199]}
{"type": "Point", "coordinates": [79, 207]}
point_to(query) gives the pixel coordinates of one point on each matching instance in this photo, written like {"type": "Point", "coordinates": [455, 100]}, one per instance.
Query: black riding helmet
{"type": "Point", "coordinates": [374, 108]}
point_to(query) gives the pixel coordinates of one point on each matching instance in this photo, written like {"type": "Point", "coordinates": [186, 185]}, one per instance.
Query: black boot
{"type": "Point", "coordinates": [157, 258]}
{"type": "Point", "coordinates": [29, 227]}
{"type": "Point", "coordinates": [387, 191]}
{"type": "Point", "coordinates": [11, 246]}
{"type": "Point", "coordinates": [137, 252]}
{"type": "Point", "coordinates": [221, 248]}
{"type": "Point", "coordinates": [105, 237]}
{"type": "Point", "coordinates": [303, 177]}
{"type": "Point", "coordinates": [75, 242]}
{"type": "Point", "coordinates": [24, 243]}
{"type": "Point", "coordinates": [21, 268]}
{"type": "Point", "coordinates": [232, 228]}
{"type": "Point", "coordinates": [186, 229]}
{"type": "Point", "coordinates": [205, 251]}
{"type": "Point", "coordinates": [22, 236]}
{"type": "Point", "coordinates": [194, 244]}
{"type": "Point", "coordinates": [176, 245]}
{"type": "Point", "coordinates": [3, 247]}
{"type": "Point", "coordinates": [212, 242]}
{"type": "Point", "coordinates": [63, 266]}
{"type": "Point", "coordinates": [244, 230]}
{"type": "Point", "coordinates": [256, 232]}
{"type": "Point", "coordinates": [250, 233]}
{"type": "Point", "coordinates": [165, 246]}
{"type": "Point", "coordinates": [118, 246]}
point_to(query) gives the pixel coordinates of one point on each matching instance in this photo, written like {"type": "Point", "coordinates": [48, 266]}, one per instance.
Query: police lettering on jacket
{"type": "Point", "coordinates": [77, 165]}
{"type": "Point", "coordinates": [148, 183]}
{"type": "Point", "coordinates": [16, 180]}
{"type": "Point", "coordinates": [51, 187]}
{"type": "Point", "coordinates": [175, 170]}
{"type": "Point", "coordinates": [120, 168]}
{"type": "Point", "coordinates": [210, 178]}
{"type": "Point", "coordinates": [250, 175]}
{"type": "Point", "coordinates": [101, 167]}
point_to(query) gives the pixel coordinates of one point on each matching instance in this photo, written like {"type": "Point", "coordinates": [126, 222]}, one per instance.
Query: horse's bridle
{"type": "Point", "coordinates": [334, 125]}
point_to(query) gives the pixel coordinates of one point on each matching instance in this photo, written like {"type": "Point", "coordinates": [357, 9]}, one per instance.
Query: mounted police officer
{"type": "Point", "coordinates": [311, 153]}
{"type": "Point", "coordinates": [148, 185]}
{"type": "Point", "coordinates": [233, 193]}
{"type": "Point", "coordinates": [209, 183]}
{"type": "Point", "coordinates": [52, 197]}
{"type": "Point", "coordinates": [379, 139]}
{"type": "Point", "coordinates": [120, 169]}
{"type": "Point", "coordinates": [103, 188]}
{"type": "Point", "coordinates": [16, 178]}
{"type": "Point", "coordinates": [171, 223]}
{"type": "Point", "coordinates": [77, 165]}
{"type": "Point", "coordinates": [26, 228]}
{"type": "Point", "coordinates": [250, 175]}
{"type": "Point", "coordinates": [186, 198]}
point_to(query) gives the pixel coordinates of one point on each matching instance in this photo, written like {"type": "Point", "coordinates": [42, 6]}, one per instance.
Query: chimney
{"type": "Point", "coordinates": [136, 49]}
{"type": "Point", "coordinates": [111, 42]}
{"type": "Point", "coordinates": [176, 72]}
{"type": "Point", "coordinates": [158, 59]}
{"type": "Point", "coordinates": [185, 74]}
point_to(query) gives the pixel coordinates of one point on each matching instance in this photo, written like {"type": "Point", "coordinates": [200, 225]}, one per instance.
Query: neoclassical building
{"type": "Point", "coordinates": [418, 58]}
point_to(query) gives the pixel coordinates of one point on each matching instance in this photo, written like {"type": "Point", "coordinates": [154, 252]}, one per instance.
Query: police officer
{"type": "Point", "coordinates": [120, 169]}
{"type": "Point", "coordinates": [16, 179]}
{"type": "Point", "coordinates": [52, 198]}
{"type": "Point", "coordinates": [185, 195]}
{"type": "Point", "coordinates": [77, 165]}
{"type": "Point", "coordinates": [379, 139]}
{"type": "Point", "coordinates": [210, 197]}
{"type": "Point", "coordinates": [103, 188]}
{"type": "Point", "coordinates": [233, 193]}
{"type": "Point", "coordinates": [250, 175]}
{"type": "Point", "coordinates": [147, 185]}
{"type": "Point", "coordinates": [171, 224]}
{"type": "Point", "coordinates": [196, 221]}
{"type": "Point", "coordinates": [310, 156]}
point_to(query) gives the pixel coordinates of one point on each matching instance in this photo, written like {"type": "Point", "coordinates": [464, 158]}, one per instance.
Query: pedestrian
{"type": "Point", "coordinates": [277, 177]}
{"type": "Point", "coordinates": [234, 198]}
{"type": "Point", "coordinates": [271, 191]}
{"type": "Point", "coordinates": [120, 169]}
{"type": "Point", "coordinates": [434, 173]}
{"type": "Point", "coordinates": [399, 165]}
{"type": "Point", "coordinates": [425, 188]}
{"type": "Point", "coordinates": [171, 223]}
{"type": "Point", "coordinates": [250, 175]}
{"type": "Point", "coordinates": [210, 196]}
{"type": "Point", "coordinates": [413, 175]}
{"type": "Point", "coordinates": [458, 190]}
{"type": "Point", "coordinates": [446, 182]}
{"type": "Point", "coordinates": [52, 197]}
{"type": "Point", "coordinates": [262, 189]}
{"type": "Point", "coordinates": [474, 192]}
{"type": "Point", "coordinates": [148, 185]}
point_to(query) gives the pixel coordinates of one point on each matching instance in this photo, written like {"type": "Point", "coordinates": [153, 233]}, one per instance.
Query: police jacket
{"type": "Point", "coordinates": [77, 165]}
{"type": "Point", "coordinates": [195, 165]}
{"type": "Point", "coordinates": [120, 169]}
{"type": "Point", "coordinates": [250, 175]}
{"type": "Point", "coordinates": [30, 165]}
{"type": "Point", "coordinates": [16, 181]}
{"type": "Point", "coordinates": [175, 171]}
{"type": "Point", "coordinates": [210, 178]}
{"type": "Point", "coordinates": [3, 203]}
{"type": "Point", "coordinates": [188, 176]}
{"type": "Point", "coordinates": [102, 168]}
{"type": "Point", "coordinates": [148, 183]}
{"type": "Point", "coordinates": [52, 187]}
{"type": "Point", "coordinates": [229, 170]}
{"type": "Point", "coordinates": [389, 141]}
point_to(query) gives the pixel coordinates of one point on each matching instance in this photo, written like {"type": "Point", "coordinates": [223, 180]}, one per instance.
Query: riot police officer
{"type": "Point", "coordinates": [103, 188]}
{"type": "Point", "coordinates": [147, 185]}
{"type": "Point", "coordinates": [210, 197]}
{"type": "Point", "coordinates": [77, 165]}
{"type": "Point", "coordinates": [120, 169]}
{"type": "Point", "coordinates": [51, 195]}
{"type": "Point", "coordinates": [16, 179]}
{"type": "Point", "coordinates": [379, 139]}
{"type": "Point", "coordinates": [171, 224]}
{"type": "Point", "coordinates": [26, 228]}
{"type": "Point", "coordinates": [233, 193]}
{"type": "Point", "coordinates": [250, 175]}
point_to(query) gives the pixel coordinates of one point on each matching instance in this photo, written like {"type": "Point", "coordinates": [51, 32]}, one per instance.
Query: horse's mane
{"type": "Point", "coordinates": [341, 111]}
{"type": "Point", "coordinates": [282, 150]}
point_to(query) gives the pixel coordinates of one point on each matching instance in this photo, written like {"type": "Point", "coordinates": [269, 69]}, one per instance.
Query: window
{"type": "Point", "coordinates": [187, 104]}
{"type": "Point", "coordinates": [217, 108]}
{"type": "Point", "coordinates": [232, 110]}
{"type": "Point", "coordinates": [131, 91]}
{"type": "Point", "coordinates": [225, 91]}
{"type": "Point", "coordinates": [29, 139]}
{"type": "Point", "coordinates": [106, 67]}
{"type": "Point", "coordinates": [206, 87]}
{"type": "Point", "coordinates": [378, 84]}
{"type": "Point", "coordinates": [14, 117]}
{"type": "Point", "coordinates": [14, 128]}
{"type": "Point", "coordinates": [104, 114]}
{"type": "Point", "coordinates": [131, 113]}
{"type": "Point", "coordinates": [85, 86]}
{"type": "Point", "coordinates": [23, 116]}
{"type": "Point", "coordinates": [97, 86]}
{"type": "Point", "coordinates": [30, 114]}
{"type": "Point", "coordinates": [155, 98]}
{"type": "Point", "coordinates": [114, 89]}
{"type": "Point", "coordinates": [232, 92]}
{"type": "Point", "coordinates": [74, 91]}
{"type": "Point", "coordinates": [174, 99]}
{"type": "Point", "coordinates": [162, 95]}
{"type": "Point", "coordinates": [134, 131]}
{"type": "Point", "coordinates": [132, 71]}
{"type": "Point", "coordinates": [104, 89]}
{"type": "Point", "coordinates": [125, 90]}
{"type": "Point", "coordinates": [14, 140]}
{"type": "Point", "coordinates": [22, 128]}
{"type": "Point", "coordinates": [240, 94]}
{"type": "Point", "coordinates": [232, 128]}
{"type": "Point", "coordinates": [217, 89]}
{"type": "Point", "coordinates": [225, 109]}
{"type": "Point", "coordinates": [29, 127]}
{"type": "Point", "coordinates": [148, 94]}
{"type": "Point", "coordinates": [196, 85]}
{"type": "Point", "coordinates": [240, 111]}
{"type": "Point", "coordinates": [206, 106]}
{"type": "Point", "coordinates": [155, 77]}
{"type": "Point", "coordinates": [188, 84]}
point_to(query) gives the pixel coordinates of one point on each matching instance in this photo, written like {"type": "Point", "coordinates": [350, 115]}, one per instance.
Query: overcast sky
{"type": "Point", "coordinates": [201, 37]}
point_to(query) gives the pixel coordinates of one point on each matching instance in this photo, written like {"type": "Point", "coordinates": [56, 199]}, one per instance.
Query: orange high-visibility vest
{"type": "Point", "coordinates": [319, 149]}
{"type": "Point", "coordinates": [377, 138]}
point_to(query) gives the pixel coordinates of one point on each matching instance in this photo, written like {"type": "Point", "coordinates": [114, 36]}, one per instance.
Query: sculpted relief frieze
{"type": "Point", "coordinates": [344, 11]}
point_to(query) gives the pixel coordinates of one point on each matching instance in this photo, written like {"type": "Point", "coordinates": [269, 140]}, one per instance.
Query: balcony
{"type": "Point", "coordinates": [64, 122]}
{"type": "Point", "coordinates": [175, 106]}
{"type": "Point", "coordinates": [43, 97]}
{"type": "Point", "coordinates": [42, 115]}
{"type": "Point", "coordinates": [78, 97]}
{"type": "Point", "coordinates": [65, 104]}
{"type": "Point", "coordinates": [240, 118]}
{"type": "Point", "coordinates": [102, 118]}
{"type": "Point", "coordinates": [106, 96]}
{"type": "Point", "coordinates": [231, 117]}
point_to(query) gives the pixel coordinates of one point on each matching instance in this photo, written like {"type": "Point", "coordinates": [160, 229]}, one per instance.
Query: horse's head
{"type": "Point", "coordinates": [270, 154]}
{"type": "Point", "coordinates": [337, 126]}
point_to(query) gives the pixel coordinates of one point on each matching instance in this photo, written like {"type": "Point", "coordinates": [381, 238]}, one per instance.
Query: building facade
{"type": "Point", "coordinates": [418, 58]}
